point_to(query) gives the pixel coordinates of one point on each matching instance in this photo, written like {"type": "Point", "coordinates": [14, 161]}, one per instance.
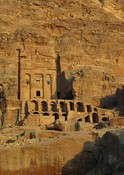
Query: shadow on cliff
{"type": "Point", "coordinates": [93, 159]}
{"type": "Point", "coordinates": [114, 102]}
{"type": "Point", "coordinates": [3, 106]}
{"type": "Point", "coordinates": [108, 102]}
{"type": "Point", "coordinates": [64, 86]}
{"type": "Point", "coordinates": [83, 162]}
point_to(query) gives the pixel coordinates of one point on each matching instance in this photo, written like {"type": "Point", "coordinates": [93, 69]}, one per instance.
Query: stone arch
{"type": "Point", "coordinates": [95, 118]}
{"type": "Point", "coordinates": [95, 109]}
{"type": "Point", "coordinates": [36, 112]}
{"type": "Point", "coordinates": [104, 119]}
{"type": "Point", "coordinates": [80, 107]}
{"type": "Point", "coordinates": [65, 115]}
{"type": "Point", "coordinates": [44, 106]}
{"type": "Point", "coordinates": [63, 106]}
{"type": "Point", "coordinates": [56, 115]}
{"type": "Point", "coordinates": [53, 107]}
{"type": "Point", "coordinates": [79, 120]}
{"type": "Point", "coordinates": [71, 106]}
{"type": "Point", "coordinates": [46, 114]}
{"type": "Point", "coordinates": [89, 109]}
{"type": "Point", "coordinates": [34, 105]}
{"type": "Point", "coordinates": [1, 87]}
{"type": "Point", "coordinates": [87, 119]}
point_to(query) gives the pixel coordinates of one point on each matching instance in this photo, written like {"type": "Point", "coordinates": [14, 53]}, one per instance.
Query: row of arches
{"type": "Point", "coordinates": [45, 107]}
{"type": "Point", "coordinates": [95, 118]}
{"type": "Point", "coordinates": [63, 106]}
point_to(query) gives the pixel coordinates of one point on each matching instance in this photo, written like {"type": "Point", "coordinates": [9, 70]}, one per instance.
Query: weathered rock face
{"type": "Point", "coordinates": [55, 153]}
{"type": "Point", "coordinates": [110, 154]}
{"type": "Point", "coordinates": [88, 35]}
{"type": "Point", "coordinates": [51, 156]}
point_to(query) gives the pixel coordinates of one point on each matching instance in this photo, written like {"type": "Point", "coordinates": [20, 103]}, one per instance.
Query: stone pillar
{"type": "Point", "coordinates": [59, 108]}
{"type": "Point", "coordinates": [49, 106]}
{"type": "Point", "coordinates": [47, 86]}
{"type": "Point", "coordinates": [39, 106]}
{"type": "Point", "coordinates": [22, 110]}
{"type": "Point", "coordinates": [91, 118]}
{"type": "Point", "coordinates": [54, 86]}
{"type": "Point", "coordinates": [75, 106]}
{"type": "Point", "coordinates": [68, 106]}
{"type": "Point", "coordinates": [85, 109]}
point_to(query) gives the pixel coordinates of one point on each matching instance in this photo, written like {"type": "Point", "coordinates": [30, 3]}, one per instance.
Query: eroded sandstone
{"type": "Point", "coordinates": [61, 64]}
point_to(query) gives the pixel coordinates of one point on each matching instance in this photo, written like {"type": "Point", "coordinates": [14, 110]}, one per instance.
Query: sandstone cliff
{"type": "Point", "coordinates": [88, 35]}
{"type": "Point", "coordinates": [55, 153]}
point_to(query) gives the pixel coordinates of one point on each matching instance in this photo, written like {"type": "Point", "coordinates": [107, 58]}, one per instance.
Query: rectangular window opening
{"type": "Point", "coordinates": [38, 93]}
